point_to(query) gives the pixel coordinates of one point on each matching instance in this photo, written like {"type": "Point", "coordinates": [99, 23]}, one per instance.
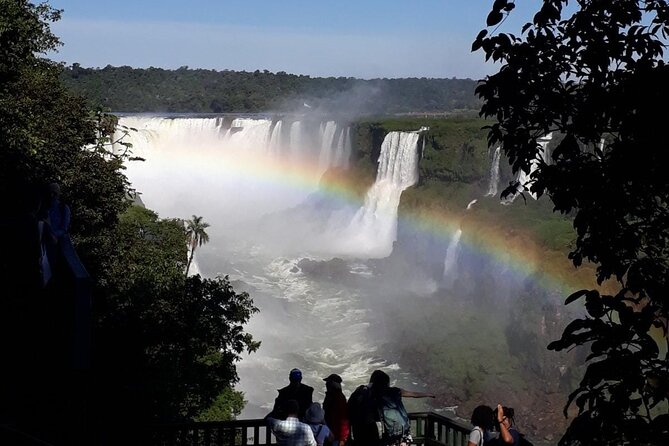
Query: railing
{"type": "Point", "coordinates": [429, 429]}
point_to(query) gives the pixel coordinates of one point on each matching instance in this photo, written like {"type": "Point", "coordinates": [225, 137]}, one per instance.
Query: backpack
{"type": "Point", "coordinates": [362, 409]}
{"type": "Point", "coordinates": [393, 414]}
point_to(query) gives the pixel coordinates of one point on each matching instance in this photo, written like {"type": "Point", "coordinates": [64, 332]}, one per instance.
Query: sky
{"type": "Point", "coordinates": [351, 38]}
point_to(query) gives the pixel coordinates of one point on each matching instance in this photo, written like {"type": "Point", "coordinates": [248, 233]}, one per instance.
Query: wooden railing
{"type": "Point", "coordinates": [428, 429]}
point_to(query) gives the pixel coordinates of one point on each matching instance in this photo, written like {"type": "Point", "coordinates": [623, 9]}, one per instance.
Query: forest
{"type": "Point", "coordinates": [186, 90]}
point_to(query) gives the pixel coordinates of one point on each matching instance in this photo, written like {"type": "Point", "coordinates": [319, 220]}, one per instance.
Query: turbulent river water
{"type": "Point", "coordinates": [256, 181]}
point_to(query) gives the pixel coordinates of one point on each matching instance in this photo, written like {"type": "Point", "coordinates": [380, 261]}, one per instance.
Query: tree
{"type": "Point", "coordinates": [195, 230]}
{"type": "Point", "coordinates": [164, 346]}
{"type": "Point", "coordinates": [596, 75]}
{"type": "Point", "coordinates": [167, 345]}
{"type": "Point", "coordinates": [43, 132]}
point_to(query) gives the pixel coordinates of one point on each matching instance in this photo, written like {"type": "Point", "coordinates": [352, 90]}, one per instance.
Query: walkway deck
{"type": "Point", "coordinates": [428, 429]}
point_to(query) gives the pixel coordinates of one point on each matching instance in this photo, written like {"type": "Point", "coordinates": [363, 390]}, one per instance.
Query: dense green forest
{"type": "Point", "coordinates": [185, 90]}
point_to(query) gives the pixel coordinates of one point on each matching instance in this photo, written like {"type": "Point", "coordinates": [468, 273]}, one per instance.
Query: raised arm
{"type": "Point", "coordinates": [504, 423]}
{"type": "Point", "coordinates": [411, 394]}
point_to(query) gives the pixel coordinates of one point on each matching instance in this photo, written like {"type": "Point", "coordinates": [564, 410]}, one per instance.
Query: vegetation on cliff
{"type": "Point", "coordinates": [479, 339]}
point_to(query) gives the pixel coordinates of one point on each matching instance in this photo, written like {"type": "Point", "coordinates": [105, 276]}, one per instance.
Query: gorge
{"type": "Point", "coordinates": [356, 242]}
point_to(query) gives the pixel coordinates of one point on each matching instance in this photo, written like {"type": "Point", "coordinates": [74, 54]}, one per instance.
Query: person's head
{"type": "Point", "coordinates": [333, 382]}
{"type": "Point", "coordinates": [292, 408]}
{"type": "Point", "coordinates": [315, 414]}
{"type": "Point", "coordinates": [483, 417]}
{"type": "Point", "coordinates": [54, 190]}
{"type": "Point", "coordinates": [295, 376]}
{"type": "Point", "coordinates": [379, 380]}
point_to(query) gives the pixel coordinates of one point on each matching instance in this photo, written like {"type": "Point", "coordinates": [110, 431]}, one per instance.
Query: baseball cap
{"type": "Point", "coordinates": [295, 374]}
{"type": "Point", "coordinates": [334, 377]}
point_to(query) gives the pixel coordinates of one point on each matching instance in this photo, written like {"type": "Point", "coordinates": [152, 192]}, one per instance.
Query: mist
{"type": "Point", "coordinates": [343, 283]}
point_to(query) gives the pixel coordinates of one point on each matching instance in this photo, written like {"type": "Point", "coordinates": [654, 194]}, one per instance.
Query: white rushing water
{"type": "Point", "coordinates": [240, 173]}
{"type": "Point", "coordinates": [493, 185]}
{"type": "Point", "coordinates": [524, 178]}
{"type": "Point", "coordinates": [374, 227]}
{"type": "Point", "coordinates": [451, 259]}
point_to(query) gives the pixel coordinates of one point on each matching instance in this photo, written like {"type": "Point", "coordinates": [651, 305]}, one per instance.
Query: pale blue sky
{"type": "Point", "coordinates": [363, 38]}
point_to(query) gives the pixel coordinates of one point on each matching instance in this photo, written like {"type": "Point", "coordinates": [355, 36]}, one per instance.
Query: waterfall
{"type": "Point", "coordinates": [275, 139]}
{"type": "Point", "coordinates": [494, 173]}
{"type": "Point", "coordinates": [374, 227]}
{"type": "Point", "coordinates": [524, 178]}
{"type": "Point", "coordinates": [296, 140]}
{"type": "Point", "coordinates": [342, 150]}
{"type": "Point", "coordinates": [347, 148]}
{"type": "Point", "coordinates": [243, 155]}
{"type": "Point", "coordinates": [327, 140]}
{"type": "Point", "coordinates": [450, 261]}
{"type": "Point", "coordinates": [247, 177]}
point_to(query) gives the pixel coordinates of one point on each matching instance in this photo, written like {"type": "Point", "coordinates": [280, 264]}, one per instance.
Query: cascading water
{"type": "Point", "coordinates": [450, 261]}
{"type": "Point", "coordinates": [327, 144]}
{"type": "Point", "coordinates": [235, 178]}
{"type": "Point", "coordinates": [524, 178]}
{"type": "Point", "coordinates": [494, 173]}
{"type": "Point", "coordinates": [374, 227]}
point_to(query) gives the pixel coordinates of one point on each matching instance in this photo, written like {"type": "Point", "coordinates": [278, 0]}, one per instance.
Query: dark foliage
{"type": "Point", "coordinates": [598, 77]}
{"type": "Point", "coordinates": [164, 346]}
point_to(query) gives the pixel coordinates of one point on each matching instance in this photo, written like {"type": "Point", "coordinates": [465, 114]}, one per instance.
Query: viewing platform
{"type": "Point", "coordinates": [427, 428]}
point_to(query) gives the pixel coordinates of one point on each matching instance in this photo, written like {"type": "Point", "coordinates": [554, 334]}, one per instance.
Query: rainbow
{"type": "Point", "coordinates": [518, 253]}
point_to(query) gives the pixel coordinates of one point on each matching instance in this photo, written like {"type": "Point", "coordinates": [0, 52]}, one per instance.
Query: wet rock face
{"type": "Point", "coordinates": [333, 269]}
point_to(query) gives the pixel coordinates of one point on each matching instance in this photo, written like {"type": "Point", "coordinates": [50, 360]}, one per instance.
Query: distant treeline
{"type": "Point", "coordinates": [185, 90]}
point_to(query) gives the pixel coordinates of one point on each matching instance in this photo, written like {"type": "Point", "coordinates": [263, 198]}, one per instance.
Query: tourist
{"type": "Point", "coordinates": [482, 419]}
{"type": "Point", "coordinates": [59, 213]}
{"type": "Point", "coordinates": [508, 435]}
{"type": "Point", "coordinates": [315, 418]}
{"type": "Point", "coordinates": [293, 391]}
{"type": "Point", "coordinates": [377, 414]}
{"type": "Point", "coordinates": [291, 431]}
{"type": "Point", "coordinates": [336, 413]}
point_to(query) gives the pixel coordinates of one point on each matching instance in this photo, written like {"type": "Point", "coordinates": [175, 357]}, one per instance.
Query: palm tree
{"type": "Point", "coordinates": [195, 231]}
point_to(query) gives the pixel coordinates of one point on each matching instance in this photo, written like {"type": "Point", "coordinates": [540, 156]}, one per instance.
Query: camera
{"type": "Point", "coordinates": [506, 412]}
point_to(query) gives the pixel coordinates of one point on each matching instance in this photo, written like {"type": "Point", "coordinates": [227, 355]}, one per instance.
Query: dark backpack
{"type": "Point", "coordinates": [362, 409]}
{"type": "Point", "coordinates": [393, 414]}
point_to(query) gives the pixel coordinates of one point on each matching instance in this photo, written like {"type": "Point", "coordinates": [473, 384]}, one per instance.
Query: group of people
{"type": "Point", "coordinates": [374, 415]}
{"type": "Point", "coordinates": [494, 427]}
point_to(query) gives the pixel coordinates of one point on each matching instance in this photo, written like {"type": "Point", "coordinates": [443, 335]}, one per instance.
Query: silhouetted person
{"type": "Point", "coordinates": [377, 414]}
{"type": "Point", "coordinates": [59, 212]}
{"type": "Point", "coordinates": [334, 405]}
{"type": "Point", "coordinates": [291, 431]}
{"type": "Point", "coordinates": [315, 418]}
{"type": "Point", "coordinates": [293, 391]}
